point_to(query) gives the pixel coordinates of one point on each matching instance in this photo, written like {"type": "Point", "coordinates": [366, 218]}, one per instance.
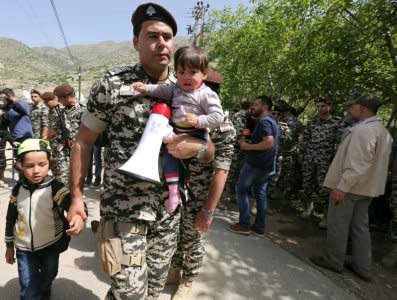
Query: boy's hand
{"type": "Point", "coordinates": [10, 256]}
{"type": "Point", "coordinates": [191, 119]}
{"type": "Point", "coordinates": [76, 225]}
{"type": "Point", "coordinates": [138, 86]}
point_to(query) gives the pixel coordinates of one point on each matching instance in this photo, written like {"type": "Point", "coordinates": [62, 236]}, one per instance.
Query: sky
{"type": "Point", "coordinates": [86, 21]}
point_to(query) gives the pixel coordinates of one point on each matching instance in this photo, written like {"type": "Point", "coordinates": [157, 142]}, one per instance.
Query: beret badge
{"type": "Point", "coordinates": [150, 11]}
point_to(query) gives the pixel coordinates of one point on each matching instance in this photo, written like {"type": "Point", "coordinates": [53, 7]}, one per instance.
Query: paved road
{"type": "Point", "coordinates": [236, 267]}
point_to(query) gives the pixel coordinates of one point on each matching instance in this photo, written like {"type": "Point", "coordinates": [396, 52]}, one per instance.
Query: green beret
{"type": "Point", "coordinates": [152, 11]}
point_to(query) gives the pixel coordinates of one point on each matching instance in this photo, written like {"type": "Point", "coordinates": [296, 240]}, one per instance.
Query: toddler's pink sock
{"type": "Point", "coordinates": [173, 198]}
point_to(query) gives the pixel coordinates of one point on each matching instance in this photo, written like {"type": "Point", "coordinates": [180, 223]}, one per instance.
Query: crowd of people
{"type": "Point", "coordinates": [330, 160]}
{"type": "Point", "coordinates": [151, 234]}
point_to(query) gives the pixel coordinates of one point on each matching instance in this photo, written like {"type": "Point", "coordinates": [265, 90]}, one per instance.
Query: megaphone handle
{"type": "Point", "coordinates": [169, 133]}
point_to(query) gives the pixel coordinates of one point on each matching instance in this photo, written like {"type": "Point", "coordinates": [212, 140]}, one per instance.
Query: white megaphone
{"type": "Point", "coordinates": [145, 160]}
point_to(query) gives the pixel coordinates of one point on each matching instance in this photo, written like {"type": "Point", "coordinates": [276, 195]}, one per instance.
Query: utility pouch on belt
{"type": "Point", "coordinates": [110, 248]}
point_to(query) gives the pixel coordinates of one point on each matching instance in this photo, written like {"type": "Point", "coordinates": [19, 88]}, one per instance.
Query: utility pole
{"type": "Point", "coordinates": [79, 79]}
{"type": "Point", "coordinates": [198, 13]}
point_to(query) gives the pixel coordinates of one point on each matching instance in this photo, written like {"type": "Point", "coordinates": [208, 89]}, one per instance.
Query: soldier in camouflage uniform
{"type": "Point", "coordinates": [321, 137]}
{"type": "Point", "coordinates": [146, 234]}
{"type": "Point", "coordinates": [73, 109]}
{"type": "Point", "coordinates": [39, 116]}
{"type": "Point", "coordinates": [279, 182]}
{"type": "Point", "coordinates": [197, 212]}
{"type": "Point", "coordinates": [65, 122]}
{"type": "Point", "coordinates": [289, 178]}
{"type": "Point", "coordinates": [239, 122]}
{"type": "Point", "coordinates": [59, 161]}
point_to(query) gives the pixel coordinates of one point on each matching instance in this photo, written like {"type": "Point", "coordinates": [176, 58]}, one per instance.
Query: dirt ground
{"type": "Point", "coordinates": [303, 238]}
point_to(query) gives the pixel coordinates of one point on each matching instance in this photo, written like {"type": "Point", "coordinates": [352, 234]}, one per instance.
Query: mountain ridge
{"type": "Point", "coordinates": [23, 67]}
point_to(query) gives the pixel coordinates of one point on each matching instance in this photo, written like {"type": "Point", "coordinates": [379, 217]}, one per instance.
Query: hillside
{"type": "Point", "coordinates": [23, 68]}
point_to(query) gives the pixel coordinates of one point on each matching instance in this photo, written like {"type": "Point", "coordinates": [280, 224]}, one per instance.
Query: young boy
{"type": "Point", "coordinates": [195, 108]}
{"type": "Point", "coordinates": [35, 221]}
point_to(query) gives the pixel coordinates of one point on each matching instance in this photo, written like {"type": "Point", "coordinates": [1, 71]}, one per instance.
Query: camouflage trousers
{"type": "Point", "coordinates": [313, 175]}
{"type": "Point", "coordinates": [285, 174]}
{"type": "Point", "coordinates": [190, 252]}
{"type": "Point", "coordinates": [229, 193]}
{"type": "Point", "coordinates": [273, 181]}
{"type": "Point", "coordinates": [289, 179]}
{"type": "Point", "coordinates": [158, 246]}
{"type": "Point", "coordinates": [393, 206]}
{"type": "Point", "coordinates": [60, 166]}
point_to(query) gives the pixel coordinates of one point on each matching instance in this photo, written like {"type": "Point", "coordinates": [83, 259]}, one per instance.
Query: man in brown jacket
{"type": "Point", "coordinates": [357, 174]}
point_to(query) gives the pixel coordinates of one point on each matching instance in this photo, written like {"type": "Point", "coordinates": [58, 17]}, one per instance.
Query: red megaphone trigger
{"type": "Point", "coordinates": [162, 109]}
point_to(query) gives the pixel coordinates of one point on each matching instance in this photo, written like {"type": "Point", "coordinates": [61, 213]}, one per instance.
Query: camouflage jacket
{"type": "Point", "coordinates": [124, 117]}
{"type": "Point", "coordinates": [39, 118]}
{"type": "Point", "coordinates": [295, 125]}
{"type": "Point", "coordinates": [286, 141]}
{"type": "Point", "coordinates": [321, 138]}
{"type": "Point", "coordinates": [54, 123]}
{"type": "Point", "coordinates": [73, 115]}
{"type": "Point", "coordinates": [239, 121]}
{"type": "Point", "coordinates": [223, 138]}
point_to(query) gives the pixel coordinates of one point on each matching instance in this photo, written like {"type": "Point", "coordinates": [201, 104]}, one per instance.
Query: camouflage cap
{"type": "Point", "coordinates": [283, 105]}
{"type": "Point", "coordinates": [275, 108]}
{"type": "Point", "coordinates": [152, 11]}
{"type": "Point", "coordinates": [64, 90]}
{"type": "Point", "coordinates": [368, 100]}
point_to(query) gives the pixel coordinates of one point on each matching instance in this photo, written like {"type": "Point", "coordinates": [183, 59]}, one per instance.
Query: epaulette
{"type": "Point", "coordinates": [118, 70]}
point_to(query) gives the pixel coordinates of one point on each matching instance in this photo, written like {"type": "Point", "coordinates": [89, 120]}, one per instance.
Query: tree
{"type": "Point", "coordinates": [304, 49]}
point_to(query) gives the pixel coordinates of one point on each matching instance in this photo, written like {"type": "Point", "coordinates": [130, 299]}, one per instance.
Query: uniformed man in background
{"type": "Point", "coordinates": [320, 140]}
{"type": "Point", "coordinates": [39, 116]}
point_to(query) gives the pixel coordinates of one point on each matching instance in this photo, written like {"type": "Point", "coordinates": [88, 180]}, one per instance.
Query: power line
{"type": "Point", "coordinates": [67, 46]}
{"type": "Point", "coordinates": [63, 33]}
{"type": "Point", "coordinates": [34, 20]}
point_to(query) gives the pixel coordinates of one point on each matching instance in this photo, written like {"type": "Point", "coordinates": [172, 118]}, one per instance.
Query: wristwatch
{"type": "Point", "coordinates": [207, 213]}
{"type": "Point", "coordinates": [203, 150]}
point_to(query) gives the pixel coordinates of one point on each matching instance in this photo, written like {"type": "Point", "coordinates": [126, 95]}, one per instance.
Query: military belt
{"type": "Point", "coordinates": [131, 228]}
{"type": "Point", "coordinates": [132, 260]}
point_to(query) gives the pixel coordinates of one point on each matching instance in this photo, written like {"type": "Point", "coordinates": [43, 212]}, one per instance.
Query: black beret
{"type": "Point", "coordinates": [151, 11]}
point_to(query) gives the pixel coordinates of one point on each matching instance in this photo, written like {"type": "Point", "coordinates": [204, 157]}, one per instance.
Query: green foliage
{"type": "Point", "coordinates": [298, 50]}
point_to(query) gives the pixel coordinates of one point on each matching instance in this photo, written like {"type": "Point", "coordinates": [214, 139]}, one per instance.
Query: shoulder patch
{"type": "Point", "coordinates": [118, 70]}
